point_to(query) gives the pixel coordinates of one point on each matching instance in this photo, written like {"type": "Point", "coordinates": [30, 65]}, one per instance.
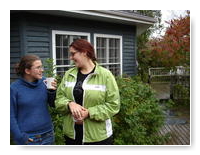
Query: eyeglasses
{"type": "Point", "coordinates": [73, 53]}
{"type": "Point", "coordinates": [39, 68]}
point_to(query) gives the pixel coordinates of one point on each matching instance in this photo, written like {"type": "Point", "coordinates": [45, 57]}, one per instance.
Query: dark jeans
{"type": "Point", "coordinates": [43, 139]}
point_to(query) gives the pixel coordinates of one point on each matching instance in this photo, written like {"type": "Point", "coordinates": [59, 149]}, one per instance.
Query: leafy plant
{"type": "Point", "coordinates": [56, 116]}
{"type": "Point", "coordinates": [49, 68]}
{"type": "Point", "coordinates": [140, 116]}
{"type": "Point", "coordinates": [181, 95]}
{"type": "Point", "coordinates": [57, 119]}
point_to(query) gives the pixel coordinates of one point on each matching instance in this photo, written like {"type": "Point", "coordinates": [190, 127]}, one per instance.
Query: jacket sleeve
{"type": "Point", "coordinates": [62, 101]}
{"type": "Point", "coordinates": [19, 137]}
{"type": "Point", "coordinates": [112, 102]}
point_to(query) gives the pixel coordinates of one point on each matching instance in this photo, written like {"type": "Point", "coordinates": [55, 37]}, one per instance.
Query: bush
{"type": "Point", "coordinates": [57, 119]}
{"type": "Point", "coordinates": [181, 95]}
{"type": "Point", "coordinates": [140, 116]}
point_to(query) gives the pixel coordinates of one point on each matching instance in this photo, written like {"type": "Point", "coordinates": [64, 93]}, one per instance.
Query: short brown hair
{"type": "Point", "coordinates": [82, 45]}
{"type": "Point", "coordinates": [26, 62]}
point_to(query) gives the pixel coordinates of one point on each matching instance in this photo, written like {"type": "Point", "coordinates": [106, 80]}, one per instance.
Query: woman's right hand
{"type": "Point", "coordinates": [76, 110]}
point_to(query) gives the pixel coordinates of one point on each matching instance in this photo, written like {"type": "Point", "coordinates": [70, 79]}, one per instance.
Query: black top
{"type": "Point", "coordinates": [78, 96]}
{"type": "Point", "coordinates": [78, 90]}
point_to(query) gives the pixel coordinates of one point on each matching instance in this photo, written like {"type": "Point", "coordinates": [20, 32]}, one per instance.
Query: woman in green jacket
{"type": "Point", "coordinates": [88, 97]}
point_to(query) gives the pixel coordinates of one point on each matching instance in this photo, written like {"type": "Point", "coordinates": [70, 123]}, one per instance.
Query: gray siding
{"type": "Point", "coordinates": [38, 41]}
{"type": "Point", "coordinates": [15, 52]}
{"type": "Point", "coordinates": [129, 55]}
{"type": "Point", "coordinates": [32, 34]}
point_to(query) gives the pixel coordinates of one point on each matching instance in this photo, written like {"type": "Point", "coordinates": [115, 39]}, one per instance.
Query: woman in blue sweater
{"type": "Point", "coordinates": [30, 121]}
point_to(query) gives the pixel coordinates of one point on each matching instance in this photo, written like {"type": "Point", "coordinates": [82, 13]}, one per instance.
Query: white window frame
{"type": "Point", "coordinates": [110, 36]}
{"type": "Point", "coordinates": [55, 32]}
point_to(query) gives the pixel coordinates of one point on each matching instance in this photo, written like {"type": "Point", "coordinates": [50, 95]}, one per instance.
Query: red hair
{"type": "Point", "coordinates": [82, 45]}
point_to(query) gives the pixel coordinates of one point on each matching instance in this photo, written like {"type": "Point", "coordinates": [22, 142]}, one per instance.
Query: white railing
{"type": "Point", "coordinates": [163, 75]}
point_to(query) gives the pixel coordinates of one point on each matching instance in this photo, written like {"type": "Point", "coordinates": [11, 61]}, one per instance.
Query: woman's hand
{"type": "Point", "coordinates": [76, 110]}
{"type": "Point", "coordinates": [54, 84]}
{"type": "Point", "coordinates": [85, 114]}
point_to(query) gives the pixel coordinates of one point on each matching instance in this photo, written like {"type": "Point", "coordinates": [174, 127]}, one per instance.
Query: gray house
{"type": "Point", "coordinates": [48, 33]}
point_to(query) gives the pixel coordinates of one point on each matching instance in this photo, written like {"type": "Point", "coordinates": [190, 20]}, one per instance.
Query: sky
{"type": "Point", "coordinates": [170, 14]}
{"type": "Point", "coordinates": [167, 15]}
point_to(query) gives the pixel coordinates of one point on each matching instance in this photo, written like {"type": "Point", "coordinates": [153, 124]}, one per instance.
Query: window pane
{"type": "Point", "coordinates": [65, 40]}
{"type": "Point", "coordinates": [66, 53]}
{"type": "Point", "coordinates": [58, 40]}
{"type": "Point", "coordinates": [101, 50]}
{"type": "Point", "coordinates": [61, 70]}
{"type": "Point", "coordinates": [62, 50]}
{"type": "Point", "coordinates": [58, 52]}
{"type": "Point", "coordinates": [108, 53]}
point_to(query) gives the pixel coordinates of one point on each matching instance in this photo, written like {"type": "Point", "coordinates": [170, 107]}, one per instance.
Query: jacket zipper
{"type": "Point", "coordinates": [84, 82]}
{"type": "Point", "coordinates": [74, 100]}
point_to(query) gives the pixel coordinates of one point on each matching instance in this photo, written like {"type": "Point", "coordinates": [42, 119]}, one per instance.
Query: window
{"type": "Point", "coordinates": [61, 41]}
{"type": "Point", "coordinates": [108, 52]}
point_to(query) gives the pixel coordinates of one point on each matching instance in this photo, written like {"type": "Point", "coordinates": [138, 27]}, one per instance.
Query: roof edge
{"type": "Point", "coordinates": [116, 15]}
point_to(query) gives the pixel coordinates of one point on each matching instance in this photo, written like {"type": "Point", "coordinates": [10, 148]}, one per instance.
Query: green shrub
{"type": "Point", "coordinates": [140, 116]}
{"type": "Point", "coordinates": [57, 119]}
{"type": "Point", "coordinates": [49, 68]}
{"type": "Point", "coordinates": [181, 95]}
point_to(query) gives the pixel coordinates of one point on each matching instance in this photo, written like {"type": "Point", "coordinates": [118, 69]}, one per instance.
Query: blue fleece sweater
{"type": "Point", "coordinates": [29, 109]}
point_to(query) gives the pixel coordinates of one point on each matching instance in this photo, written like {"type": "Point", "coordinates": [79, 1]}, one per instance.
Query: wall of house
{"type": "Point", "coordinates": [32, 34]}
{"type": "Point", "coordinates": [15, 45]}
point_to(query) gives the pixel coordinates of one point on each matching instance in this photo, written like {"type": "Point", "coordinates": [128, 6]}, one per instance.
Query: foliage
{"type": "Point", "coordinates": [144, 38]}
{"type": "Point", "coordinates": [140, 116]}
{"type": "Point", "coordinates": [169, 103]}
{"type": "Point", "coordinates": [57, 118]}
{"type": "Point", "coordinates": [173, 49]}
{"type": "Point", "coordinates": [49, 68]}
{"type": "Point", "coordinates": [181, 95]}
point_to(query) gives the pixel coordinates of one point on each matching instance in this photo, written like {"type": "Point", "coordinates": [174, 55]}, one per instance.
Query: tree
{"type": "Point", "coordinates": [144, 38]}
{"type": "Point", "coordinates": [173, 49]}
{"type": "Point", "coordinates": [176, 41]}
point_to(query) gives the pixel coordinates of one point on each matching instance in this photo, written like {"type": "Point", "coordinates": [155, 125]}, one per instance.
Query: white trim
{"type": "Point", "coordinates": [114, 37]}
{"type": "Point", "coordinates": [109, 130]}
{"type": "Point", "coordinates": [70, 84]}
{"type": "Point", "coordinates": [54, 32]}
{"type": "Point", "coordinates": [94, 87]}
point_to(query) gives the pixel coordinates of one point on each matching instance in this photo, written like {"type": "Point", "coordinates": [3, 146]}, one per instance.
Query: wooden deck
{"type": "Point", "coordinates": [179, 134]}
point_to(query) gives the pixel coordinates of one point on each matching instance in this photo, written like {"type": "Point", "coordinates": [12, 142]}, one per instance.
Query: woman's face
{"type": "Point", "coordinates": [35, 72]}
{"type": "Point", "coordinates": [77, 57]}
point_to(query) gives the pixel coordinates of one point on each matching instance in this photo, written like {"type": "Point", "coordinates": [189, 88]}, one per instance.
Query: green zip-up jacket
{"type": "Point", "coordinates": [100, 97]}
